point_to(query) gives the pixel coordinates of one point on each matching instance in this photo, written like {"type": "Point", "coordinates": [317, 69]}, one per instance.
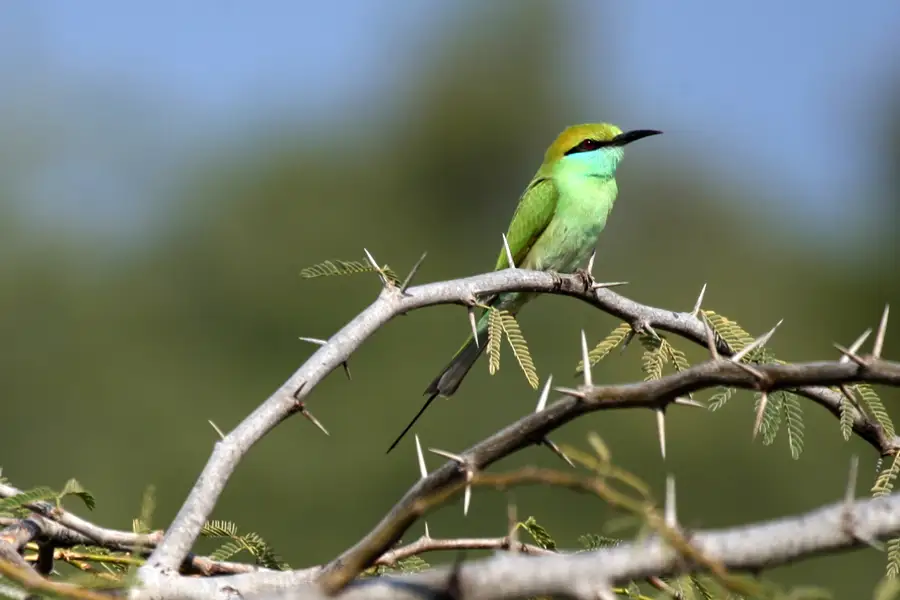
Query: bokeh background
{"type": "Point", "coordinates": [169, 168]}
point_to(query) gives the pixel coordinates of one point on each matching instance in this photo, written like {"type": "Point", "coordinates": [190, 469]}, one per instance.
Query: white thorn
{"type": "Point", "coordinates": [608, 284]}
{"type": "Point", "coordinates": [371, 259]}
{"type": "Point", "coordinates": [312, 340]}
{"type": "Point", "coordinates": [882, 329]}
{"type": "Point", "coordinates": [545, 393]}
{"type": "Point", "coordinates": [422, 469]}
{"type": "Point", "coordinates": [699, 301]}
{"type": "Point", "coordinates": [454, 457]}
{"type": "Point", "coordinates": [216, 427]}
{"type": "Point", "coordinates": [661, 429]}
{"type": "Point", "coordinates": [427, 534]}
{"type": "Point", "coordinates": [760, 341]}
{"type": "Point", "coordinates": [671, 516]}
{"type": "Point", "coordinates": [588, 380]}
{"type": "Point", "coordinates": [590, 265]}
{"type": "Point", "coordinates": [688, 402]}
{"type": "Point", "coordinates": [473, 324]}
{"type": "Point", "coordinates": [509, 254]}
{"type": "Point", "coordinates": [854, 347]}
{"type": "Point", "coordinates": [467, 494]}
{"type": "Point", "coordinates": [763, 400]}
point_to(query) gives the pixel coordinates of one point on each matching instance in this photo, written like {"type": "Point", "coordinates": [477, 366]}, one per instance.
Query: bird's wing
{"type": "Point", "coordinates": [532, 216]}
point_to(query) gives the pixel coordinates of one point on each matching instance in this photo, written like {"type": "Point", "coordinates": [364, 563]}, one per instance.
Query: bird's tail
{"type": "Point", "coordinates": [448, 380]}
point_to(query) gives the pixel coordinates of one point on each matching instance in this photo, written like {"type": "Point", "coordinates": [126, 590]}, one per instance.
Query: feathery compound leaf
{"type": "Point", "coordinates": [847, 414]}
{"type": "Point", "coordinates": [216, 529]}
{"type": "Point", "coordinates": [884, 483]}
{"type": "Point", "coordinates": [226, 551]}
{"type": "Point", "coordinates": [654, 357]}
{"type": "Point", "coordinates": [718, 400]}
{"type": "Point", "coordinates": [679, 360]}
{"type": "Point", "coordinates": [793, 418]}
{"type": "Point", "coordinates": [412, 564]}
{"type": "Point", "coordinates": [74, 488]}
{"type": "Point", "coordinates": [872, 401]}
{"type": "Point", "coordinates": [889, 587]}
{"type": "Point", "coordinates": [609, 343]}
{"type": "Point", "coordinates": [345, 267]}
{"type": "Point", "coordinates": [495, 335]}
{"type": "Point", "coordinates": [893, 558]}
{"type": "Point", "coordinates": [592, 541]}
{"type": "Point", "coordinates": [519, 347]}
{"type": "Point", "coordinates": [733, 334]}
{"type": "Point", "coordinates": [772, 416]}
{"type": "Point", "coordinates": [38, 494]}
{"type": "Point", "coordinates": [540, 535]}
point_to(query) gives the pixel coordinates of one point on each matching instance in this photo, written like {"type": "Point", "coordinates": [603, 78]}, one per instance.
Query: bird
{"type": "Point", "coordinates": [554, 227]}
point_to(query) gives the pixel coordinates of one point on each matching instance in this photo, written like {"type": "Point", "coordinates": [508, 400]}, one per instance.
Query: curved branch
{"type": "Point", "coordinates": [288, 398]}
{"type": "Point", "coordinates": [765, 545]}
{"type": "Point", "coordinates": [532, 428]}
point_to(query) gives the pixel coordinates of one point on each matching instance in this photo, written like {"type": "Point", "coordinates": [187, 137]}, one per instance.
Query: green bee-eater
{"type": "Point", "coordinates": [554, 228]}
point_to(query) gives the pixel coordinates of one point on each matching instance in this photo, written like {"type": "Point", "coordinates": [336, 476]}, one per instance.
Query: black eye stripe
{"type": "Point", "coordinates": [586, 146]}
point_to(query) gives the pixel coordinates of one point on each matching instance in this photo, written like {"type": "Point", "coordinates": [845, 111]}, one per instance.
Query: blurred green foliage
{"type": "Point", "coordinates": [113, 358]}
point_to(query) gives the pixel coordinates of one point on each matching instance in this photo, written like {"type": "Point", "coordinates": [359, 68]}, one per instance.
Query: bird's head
{"type": "Point", "coordinates": [594, 149]}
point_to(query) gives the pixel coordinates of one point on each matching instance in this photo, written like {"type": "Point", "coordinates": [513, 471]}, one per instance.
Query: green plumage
{"type": "Point", "coordinates": [554, 228]}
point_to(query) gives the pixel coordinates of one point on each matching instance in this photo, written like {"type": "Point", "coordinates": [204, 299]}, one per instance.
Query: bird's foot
{"type": "Point", "coordinates": [587, 278]}
{"type": "Point", "coordinates": [557, 280]}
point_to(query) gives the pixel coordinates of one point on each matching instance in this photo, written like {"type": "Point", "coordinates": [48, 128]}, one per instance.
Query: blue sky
{"type": "Point", "coordinates": [755, 89]}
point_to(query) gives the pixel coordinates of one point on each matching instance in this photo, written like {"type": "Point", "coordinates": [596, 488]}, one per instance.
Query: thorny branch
{"type": "Point", "coordinates": [809, 379]}
{"type": "Point", "coordinates": [391, 302]}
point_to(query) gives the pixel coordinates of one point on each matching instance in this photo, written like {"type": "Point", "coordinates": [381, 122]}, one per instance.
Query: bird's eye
{"type": "Point", "coordinates": [586, 146]}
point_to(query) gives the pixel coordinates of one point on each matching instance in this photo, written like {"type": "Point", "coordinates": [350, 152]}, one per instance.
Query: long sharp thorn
{"type": "Point", "coordinates": [849, 395]}
{"type": "Point", "coordinates": [509, 254]}
{"type": "Point", "coordinates": [590, 265]}
{"type": "Point", "coordinates": [467, 494]}
{"type": "Point", "coordinates": [855, 346]}
{"type": "Point", "coordinates": [761, 409]}
{"type": "Point", "coordinates": [570, 392]}
{"type": "Point", "coordinates": [756, 373]}
{"type": "Point", "coordinates": [850, 493]}
{"type": "Point", "coordinates": [474, 325]}
{"type": "Point", "coordinates": [454, 457]}
{"type": "Point", "coordinates": [312, 340]}
{"type": "Point", "coordinates": [423, 471]}
{"type": "Point", "coordinates": [216, 427]}
{"type": "Point", "coordinates": [346, 366]}
{"type": "Point", "coordinates": [699, 301]}
{"type": "Point", "coordinates": [661, 430]}
{"type": "Point", "coordinates": [374, 264]}
{"type": "Point", "coordinates": [671, 515]}
{"type": "Point", "coordinates": [850, 355]}
{"type": "Point", "coordinates": [314, 420]}
{"type": "Point", "coordinates": [628, 338]}
{"type": "Point", "coordinates": [710, 338]}
{"type": "Point", "coordinates": [649, 329]}
{"type": "Point", "coordinates": [545, 393]}
{"type": "Point", "coordinates": [557, 451]}
{"type": "Point", "coordinates": [879, 336]}
{"type": "Point", "coordinates": [412, 272]}
{"type": "Point", "coordinates": [608, 284]}
{"type": "Point", "coordinates": [688, 402]}
{"type": "Point", "coordinates": [758, 342]}
{"type": "Point", "coordinates": [588, 380]}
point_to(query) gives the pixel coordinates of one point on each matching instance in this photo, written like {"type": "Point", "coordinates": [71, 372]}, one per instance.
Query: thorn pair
{"type": "Point", "coordinates": [545, 441]}
{"type": "Point", "coordinates": [877, 346]}
{"type": "Point", "coordinates": [382, 273]}
{"type": "Point", "coordinates": [321, 342]}
{"type": "Point", "coordinates": [467, 467]}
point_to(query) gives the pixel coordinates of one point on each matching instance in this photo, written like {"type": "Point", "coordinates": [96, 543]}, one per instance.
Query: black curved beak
{"type": "Point", "coordinates": [632, 136]}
